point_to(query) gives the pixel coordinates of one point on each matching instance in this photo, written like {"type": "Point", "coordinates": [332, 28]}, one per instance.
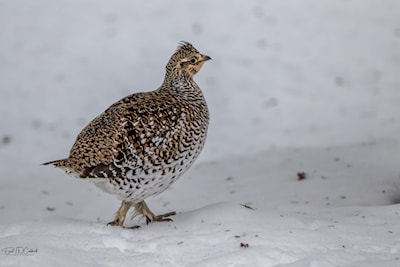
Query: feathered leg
{"type": "Point", "coordinates": [143, 209]}
{"type": "Point", "coordinates": [121, 214]}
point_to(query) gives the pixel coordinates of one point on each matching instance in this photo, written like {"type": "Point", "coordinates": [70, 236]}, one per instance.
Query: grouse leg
{"type": "Point", "coordinates": [121, 214]}
{"type": "Point", "coordinates": [142, 208]}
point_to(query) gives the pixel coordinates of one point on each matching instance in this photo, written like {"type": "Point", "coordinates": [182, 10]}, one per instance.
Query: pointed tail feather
{"type": "Point", "coordinates": [63, 164]}
{"type": "Point", "coordinates": [56, 163]}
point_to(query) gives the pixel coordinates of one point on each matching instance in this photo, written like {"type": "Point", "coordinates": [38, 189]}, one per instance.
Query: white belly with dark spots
{"type": "Point", "coordinates": [140, 186]}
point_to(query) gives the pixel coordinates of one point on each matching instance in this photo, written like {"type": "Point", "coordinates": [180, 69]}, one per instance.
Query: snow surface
{"type": "Point", "coordinates": [294, 86]}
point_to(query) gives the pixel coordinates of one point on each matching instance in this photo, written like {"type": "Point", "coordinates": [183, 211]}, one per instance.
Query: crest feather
{"type": "Point", "coordinates": [183, 45]}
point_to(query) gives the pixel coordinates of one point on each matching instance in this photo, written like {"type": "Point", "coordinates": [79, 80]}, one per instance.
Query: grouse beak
{"type": "Point", "coordinates": [205, 58]}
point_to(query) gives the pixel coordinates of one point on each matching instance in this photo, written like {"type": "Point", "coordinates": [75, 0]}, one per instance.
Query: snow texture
{"type": "Point", "coordinates": [301, 165]}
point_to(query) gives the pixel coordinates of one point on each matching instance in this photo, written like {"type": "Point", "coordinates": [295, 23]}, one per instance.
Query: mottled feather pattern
{"type": "Point", "coordinates": [146, 141]}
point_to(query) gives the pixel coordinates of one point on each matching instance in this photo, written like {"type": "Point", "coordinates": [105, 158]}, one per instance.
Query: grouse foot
{"type": "Point", "coordinates": [143, 209]}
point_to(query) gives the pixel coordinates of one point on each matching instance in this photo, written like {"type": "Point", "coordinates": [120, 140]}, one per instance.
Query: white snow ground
{"type": "Point", "coordinates": [295, 86]}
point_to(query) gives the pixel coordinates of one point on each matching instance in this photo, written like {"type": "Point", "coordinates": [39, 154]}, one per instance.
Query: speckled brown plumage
{"type": "Point", "coordinates": [143, 143]}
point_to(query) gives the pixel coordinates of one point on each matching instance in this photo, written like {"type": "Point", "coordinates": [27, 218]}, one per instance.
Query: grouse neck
{"type": "Point", "coordinates": [182, 83]}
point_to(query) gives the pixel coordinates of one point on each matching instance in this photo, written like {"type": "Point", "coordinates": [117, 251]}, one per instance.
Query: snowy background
{"type": "Point", "coordinates": [294, 86]}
